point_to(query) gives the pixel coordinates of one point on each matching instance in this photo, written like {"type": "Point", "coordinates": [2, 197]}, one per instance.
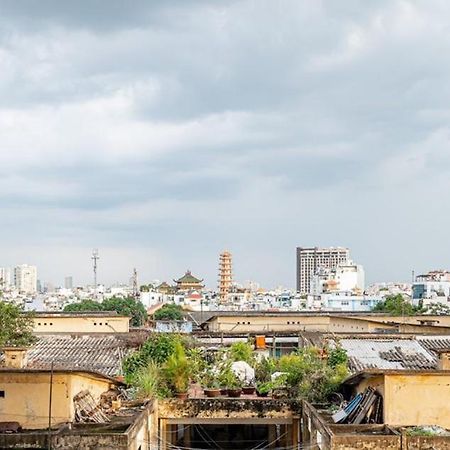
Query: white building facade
{"type": "Point", "coordinates": [5, 277]}
{"type": "Point", "coordinates": [432, 288]}
{"type": "Point", "coordinates": [309, 260]}
{"type": "Point", "coordinates": [25, 279]}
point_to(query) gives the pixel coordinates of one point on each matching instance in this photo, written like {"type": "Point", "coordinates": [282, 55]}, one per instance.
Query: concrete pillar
{"type": "Point", "coordinates": [272, 436]}
{"type": "Point", "coordinates": [163, 434]}
{"type": "Point", "coordinates": [296, 434]}
{"type": "Point", "coordinates": [187, 436]}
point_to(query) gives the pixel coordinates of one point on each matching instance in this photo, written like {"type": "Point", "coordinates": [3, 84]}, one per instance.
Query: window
{"type": "Point", "coordinates": [51, 323]}
{"type": "Point", "coordinates": [100, 324]}
{"type": "Point", "coordinates": [95, 323]}
{"type": "Point", "coordinates": [106, 323]}
{"type": "Point", "coordinates": [39, 323]}
{"type": "Point", "coordinates": [2, 394]}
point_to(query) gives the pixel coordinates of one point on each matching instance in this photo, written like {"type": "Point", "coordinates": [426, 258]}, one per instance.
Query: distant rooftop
{"type": "Point", "coordinates": [78, 313]}
{"type": "Point", "coordinates": [87, 352]}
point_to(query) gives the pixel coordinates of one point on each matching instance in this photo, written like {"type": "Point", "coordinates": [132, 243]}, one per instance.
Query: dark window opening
{"type": "Point", "coordinates": [231, 437]}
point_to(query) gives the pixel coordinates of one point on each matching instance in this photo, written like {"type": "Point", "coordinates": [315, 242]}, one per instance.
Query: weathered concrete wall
{"type": "Point", "coordinates": [417, 400]}
{"type": "Point", "coordinates": [91, 442]}
{"type": "Point", "coordinates": [315, 433]}
{"type": "Point", "coordinates": [229, 408]}
{"type": "Point", "coordinates": [364, 441]}
{"type": "Point", "coordinates": [27, 395]}
{"type": "Point", "coordinates": [80, 324]}
{"type": "Point", "coordinates": [426, 443]}
{"type": "Point", "coordinates": [319, 434]}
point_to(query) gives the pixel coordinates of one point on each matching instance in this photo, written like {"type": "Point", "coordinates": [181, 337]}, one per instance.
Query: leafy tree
{"type": "Point", "coordinates": [309, 375]}
{"type": "Point", "coordinates": [128, 306]}
{"type": "Point", "coordinates": [177, 369]}
{"type": "Point", "coordinates": [157, 348]}
{"type": "Point", "coordinates": [242, 351]}
{"type": "Point", "coordinates": [84, 305]}
{"type": "Point", "coordinates": [16, 326]}
{"type": "Point", "coordinates": [169, 312]}
{"type": "Point", "coordinates": [397, 306]}
{"type": "Point", "coordinates": [337, 356]}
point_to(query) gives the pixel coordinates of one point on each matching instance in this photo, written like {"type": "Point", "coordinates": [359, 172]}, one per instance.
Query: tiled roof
{"type": "Point", "coordinates": [387, 353]}
{"type": "Point", "coordinates": [434, 343]}
{"type": "Point", "coordinates": [103, 354]}
{"type": "Point", "coordinates": [188, 278]}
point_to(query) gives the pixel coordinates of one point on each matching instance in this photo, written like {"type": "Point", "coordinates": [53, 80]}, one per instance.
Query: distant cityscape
{"type": "Point", "coordinates": [327, 280]}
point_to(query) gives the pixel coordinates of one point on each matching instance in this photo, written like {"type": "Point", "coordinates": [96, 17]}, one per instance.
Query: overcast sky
{"type": "Point", "coordinates": [164, 132]}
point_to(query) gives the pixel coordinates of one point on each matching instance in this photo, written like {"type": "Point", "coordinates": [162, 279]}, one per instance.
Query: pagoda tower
{"type": "Point", "coordinates": [225, 275]}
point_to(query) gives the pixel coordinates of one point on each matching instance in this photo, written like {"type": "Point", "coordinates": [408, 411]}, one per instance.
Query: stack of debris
{"type": "Point", "coordinates": [366, 407]}
{"type": "Point", "coordinates": [87, 410]}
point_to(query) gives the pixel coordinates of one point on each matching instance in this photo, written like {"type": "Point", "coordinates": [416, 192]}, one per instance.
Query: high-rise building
{"type": "Point", "coordinates": [68, 282]}
{"type": "Point", "coordinates": [310, 259]}
{"type": "Point", "coordinates": [5, 277]}
{"type": "Point", "coordinates": [25, 279]}
{"type": "Point", "coordinates": [225, 275]}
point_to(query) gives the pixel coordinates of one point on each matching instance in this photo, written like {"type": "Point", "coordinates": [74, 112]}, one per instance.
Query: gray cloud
{"type": "Point", "coordinates": [256, 126]}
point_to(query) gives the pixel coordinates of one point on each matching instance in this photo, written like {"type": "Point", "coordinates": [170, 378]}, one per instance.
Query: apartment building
{"type": "Point", "coordinates": [5, 277]}
{"type": "Point", "coordinates": [25, 279]}
{"type": "Point", "coordinates": [310, 259]}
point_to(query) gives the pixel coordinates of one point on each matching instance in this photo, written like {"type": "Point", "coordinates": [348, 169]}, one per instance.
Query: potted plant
{"type": "Point", "coordinates": [263, 389]}
{"type": "Point", "coordinates": [280, 387]}
{"type": "Point", "coordinates": [210, 384]}
{"type": "Point", "coordinates": [234, 385]}
{"type": "Point", "coordinates": [177, 371]}
{"type": "Point", "coordinates": [222, 378]}
{"type": "Point", "coordinates": [249, 388]}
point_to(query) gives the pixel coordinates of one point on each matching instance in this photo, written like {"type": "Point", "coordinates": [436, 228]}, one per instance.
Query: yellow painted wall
{"type": "Point", "coordinates": [414, 320]}
{"type": "Point", "coordinates": [80, 324]}
{"type": "Point", "coordinates": [26, 396]}
{"type": "Point", "coordinates": [417, 400]}
{"type": "Point", "coordinates": [266, 323]}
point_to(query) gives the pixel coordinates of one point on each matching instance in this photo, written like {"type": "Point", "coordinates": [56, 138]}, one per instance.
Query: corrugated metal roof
{"type": "Point", "coordinates": [102, 354]}
{"type": "Point", "coordinates": [387, 354]}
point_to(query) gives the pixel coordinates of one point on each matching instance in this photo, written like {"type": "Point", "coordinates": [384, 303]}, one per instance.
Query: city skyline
{"type": "Point", "coordinates": [167, 132]}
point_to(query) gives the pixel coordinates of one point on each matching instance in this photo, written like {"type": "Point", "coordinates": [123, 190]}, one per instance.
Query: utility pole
{"type": "Point", "coordinates": [49, 436]}
{"type": "Point", "coordinates": [95, 258]}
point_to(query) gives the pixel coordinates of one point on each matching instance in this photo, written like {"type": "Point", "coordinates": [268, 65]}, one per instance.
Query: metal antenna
{"type": "Point", "coordinates": [95, 258]}
{"type": "Point", "coordinates": [135, 284]}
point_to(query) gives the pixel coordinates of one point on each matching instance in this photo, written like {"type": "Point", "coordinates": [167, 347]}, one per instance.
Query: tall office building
{"type": "Point", "coordinates": [310, 259]}
{"type": "Point", "coordinates": [25, 279]}
{"type": "Point", "coordinates": [5, 277]}
{"type": "Point", "coordinates": [68, 283]}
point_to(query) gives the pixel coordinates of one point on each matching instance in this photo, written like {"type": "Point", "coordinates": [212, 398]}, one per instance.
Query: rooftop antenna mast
{"type": "Point", "coordinates": [95, 258]}
{"type": "Point", "coordinates": [135, 283]}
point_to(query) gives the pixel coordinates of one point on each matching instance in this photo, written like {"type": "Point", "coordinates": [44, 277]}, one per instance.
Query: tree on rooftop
{"type": "Point", "coordinates": [16, 326]}
{"type": "Point", "coordinates": [169, 312]}
{"type": "Point", "coordinates": [127, 306]}
{"type": "Point", "coordinates": [397, 306]}
{"type": "Point", "coordinates": [84, 305]}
